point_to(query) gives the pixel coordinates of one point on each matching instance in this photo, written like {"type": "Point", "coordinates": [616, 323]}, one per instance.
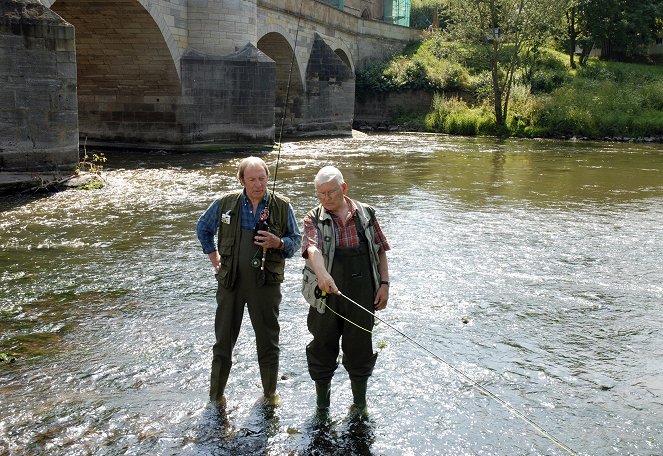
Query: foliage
{"type": "Point", "coordinates": [454, 116]}
{"type": "Point", "coordinates": [91, 164]}
{"type": "Point", "coordinates": [622, 28]}
{"type": "Point", "coordinates": [547, 97]}
{"type": "Point", "coordinates": [417, 68]}
{"type": "Point", "coordinates": [596, 108]}
{"type": "Point", "coordinates": [510, 32]}
{"type": "Point", "coordinates": [428, 14]}
{"type": "Point", "coordinates": [7, 358]}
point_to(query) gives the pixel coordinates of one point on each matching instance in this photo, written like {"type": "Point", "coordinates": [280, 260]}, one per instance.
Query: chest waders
{"type": "Point", "coordinates": [352, 271]}
{"type": "Point", "coordinates": [263, 305]}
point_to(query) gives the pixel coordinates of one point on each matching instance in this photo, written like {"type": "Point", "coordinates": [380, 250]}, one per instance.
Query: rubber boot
{"type": "Point", "coordinates": [359, 407]}
{"type": "Point", "coordinates": [323, 399]}
{"type": "Point", "coordinates": [269, 376]}
{"type": "Point", "coordinates": [218, 381]}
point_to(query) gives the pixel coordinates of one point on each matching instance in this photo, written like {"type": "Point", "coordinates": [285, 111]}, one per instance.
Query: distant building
{"type": "Point", "coordinates": [395, 12]}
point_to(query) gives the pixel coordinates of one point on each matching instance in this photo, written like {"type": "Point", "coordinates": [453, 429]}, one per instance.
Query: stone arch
{"type": "Point", "coordinates": [289, 81]}
{"type": "Point", "coordinates": [128, 79]}
{"type": "Point", "coordinates": [341, 49]}
{"type": "Point", "coordinates": [343, 56]}
{"type": "Point", "coordinates": [150, 7]}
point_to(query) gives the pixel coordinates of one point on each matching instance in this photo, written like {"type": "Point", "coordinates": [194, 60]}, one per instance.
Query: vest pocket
{"type": "Point", "coordinates": [223, 277]}
{"type": "Point", "coordinates": [274, 269]}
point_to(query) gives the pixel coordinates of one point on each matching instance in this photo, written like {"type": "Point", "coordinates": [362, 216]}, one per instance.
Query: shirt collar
{"type": "Point", "coordinates": [246, 201]}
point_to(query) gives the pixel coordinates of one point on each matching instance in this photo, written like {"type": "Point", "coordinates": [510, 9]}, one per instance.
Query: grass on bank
{"type": "Point", "coordinates": [601, 99]}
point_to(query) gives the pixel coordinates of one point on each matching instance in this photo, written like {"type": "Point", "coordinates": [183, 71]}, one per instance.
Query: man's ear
{"type": "Point", "coordinates": [344, 186]}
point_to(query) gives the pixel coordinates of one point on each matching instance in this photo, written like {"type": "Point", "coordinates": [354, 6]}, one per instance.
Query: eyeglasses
{"type": "Point", "coordinates": [328, 194]}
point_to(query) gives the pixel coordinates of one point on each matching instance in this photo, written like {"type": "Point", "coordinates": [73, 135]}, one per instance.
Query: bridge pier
{"type": "Point", "coordinates": [227, 99]}
{"type": "Point", "coordinates": [38, 105]}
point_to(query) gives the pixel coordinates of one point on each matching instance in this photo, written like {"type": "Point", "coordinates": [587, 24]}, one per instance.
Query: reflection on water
{"type": "Point", "coordinates": [533, 267]}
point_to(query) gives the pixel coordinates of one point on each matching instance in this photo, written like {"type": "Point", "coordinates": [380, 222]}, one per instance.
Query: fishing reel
{"type": "Point", "coordinates": [319, 294]}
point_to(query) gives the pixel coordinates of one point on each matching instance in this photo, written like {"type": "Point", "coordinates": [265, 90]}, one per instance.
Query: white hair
{"type": "Point", "coordinates": [327, 174]}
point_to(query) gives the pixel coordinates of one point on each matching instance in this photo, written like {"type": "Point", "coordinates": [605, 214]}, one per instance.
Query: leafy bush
{"type": "Point", "coordinates": [545, 81]}
{"type": "Point", "coordinates": [652, 95]}
{"type": "Point", "coordinates": [523, 109]}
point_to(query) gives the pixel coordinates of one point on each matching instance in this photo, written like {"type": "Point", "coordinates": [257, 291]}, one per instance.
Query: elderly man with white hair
{"type": "Point", "coordinates": [345, 249]}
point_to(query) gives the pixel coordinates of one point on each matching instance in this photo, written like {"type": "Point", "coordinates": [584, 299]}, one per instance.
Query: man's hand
{"type": "Point", "coordinates": [326, 283]}
{"type": "Point", "coordinates": [267, 240]}
{"type": "Point", "coordinates": [381, 297]}
{"type": "Point", "coordinates": [215, 258]}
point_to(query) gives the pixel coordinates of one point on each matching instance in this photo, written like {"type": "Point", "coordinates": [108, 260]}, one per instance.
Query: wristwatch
{"type": "Point", "coordinates": [384, 282]}
{"type": "Point", "coordinates": [282, 244]}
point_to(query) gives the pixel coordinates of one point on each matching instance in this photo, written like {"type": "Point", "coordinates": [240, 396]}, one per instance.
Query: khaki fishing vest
{"type": "Point", "coordinates": [326, 226]}
{"type": "Point", "coordinates": [228, 237]}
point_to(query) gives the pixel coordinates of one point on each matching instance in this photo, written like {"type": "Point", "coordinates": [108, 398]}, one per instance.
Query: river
{"type": "Point", "coordinates": [531, 268]}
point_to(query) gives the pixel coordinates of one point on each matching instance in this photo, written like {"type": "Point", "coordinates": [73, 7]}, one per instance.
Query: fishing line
{"type": "Point", "coordinates": [287, 94]}
{"type": "Point", "coordinates": [473, 382]}
{"type": "Point", "coordinates": [347, 319]}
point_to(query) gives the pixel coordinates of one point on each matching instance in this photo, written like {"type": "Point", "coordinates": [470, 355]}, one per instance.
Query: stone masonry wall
{"type": "Point", "coordinates": [38, 105]}
{"type": "Point", "coordinates": [227, 99]}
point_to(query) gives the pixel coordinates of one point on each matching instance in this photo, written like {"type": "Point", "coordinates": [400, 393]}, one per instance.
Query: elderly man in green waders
{"type": "Point", "coordinates": [345, 250]}
{"type": "Point", "coordinates": [256, 231]}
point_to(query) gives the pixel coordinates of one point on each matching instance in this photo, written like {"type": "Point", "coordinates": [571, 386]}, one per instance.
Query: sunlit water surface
{"type": "Point", "coordinates": [532, 268]}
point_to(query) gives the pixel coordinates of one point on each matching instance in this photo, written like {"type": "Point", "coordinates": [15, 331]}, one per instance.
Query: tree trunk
{"type": "Point", "coordinates": [586, 50]}
{"type": "Point", "coordinates": [571, 21]}
{"type": "Point", "coordinates": [497, 93]}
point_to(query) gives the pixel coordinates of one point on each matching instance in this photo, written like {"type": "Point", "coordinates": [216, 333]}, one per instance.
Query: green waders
{"type": "Point", "coordinates": [352, 274]}
{"type": "Point", "coordinates": [263, 305]}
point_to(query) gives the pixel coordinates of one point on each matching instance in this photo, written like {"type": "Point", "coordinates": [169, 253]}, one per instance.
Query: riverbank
{"type": "Point", "coordinates": [17, 182]}
{"type": "Point", "coordinates": [386, 126]}
{"type": "Point", "coordinates": [440, 86]}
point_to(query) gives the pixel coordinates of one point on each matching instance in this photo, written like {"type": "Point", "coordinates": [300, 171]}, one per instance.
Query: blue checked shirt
{"type": "Point", "coordinates": [208, 224]}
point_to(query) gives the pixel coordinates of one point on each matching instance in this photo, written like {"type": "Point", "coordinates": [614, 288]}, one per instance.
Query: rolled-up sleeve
{"type": "Point", "coordinates": [207, 226]}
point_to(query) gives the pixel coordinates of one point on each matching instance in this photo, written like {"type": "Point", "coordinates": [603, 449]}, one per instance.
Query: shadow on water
{"type": "Point", "coordinates": [327, 437]}
{"type": "Point", "coordinates": [319, 437]}
{"type": "Point", "coordinates": [158, 159]}
{"type": "Point", "coordinates": [11, 201]}
{"type": "Point", "coordinates": [218, 436]}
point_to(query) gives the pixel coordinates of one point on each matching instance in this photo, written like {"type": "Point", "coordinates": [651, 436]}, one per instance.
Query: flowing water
{"type": "Point", "coordinates": [530, 267]}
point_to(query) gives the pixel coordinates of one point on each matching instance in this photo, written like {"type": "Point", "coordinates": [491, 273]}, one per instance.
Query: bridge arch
{"type": "Point", "coordinates": [128, 69]}
{"type": "Point", "coordinates": [279, 46]}
{"type": "Point", "coordinates": [154, 11]}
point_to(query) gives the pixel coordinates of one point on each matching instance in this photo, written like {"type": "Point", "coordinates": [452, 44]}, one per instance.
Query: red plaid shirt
{"type": "Point", "coordinates": [345, 232]}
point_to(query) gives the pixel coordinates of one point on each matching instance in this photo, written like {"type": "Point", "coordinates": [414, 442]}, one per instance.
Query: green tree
{"type": "Point", "coordinates": [571, 15]}
{"type": "Point", "coordinates": [510, 30]}
{"type": "Point", "coordinates": [428, 13]}
{"type": "Point", "coordinates": [622, 28]}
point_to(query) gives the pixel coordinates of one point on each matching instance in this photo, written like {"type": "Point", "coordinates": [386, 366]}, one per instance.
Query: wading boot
{"type": "Point", "coordinates": [218, 380]}
{"type": "Point", "coordinates": [269, 376]}
{"type": "Point", "coordinates": [323, 398]}
{"type": "Point", "coordinates": [359, 407]}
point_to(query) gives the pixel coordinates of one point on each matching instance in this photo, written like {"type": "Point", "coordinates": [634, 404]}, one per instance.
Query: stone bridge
{"type": "Point", "coordinates": [192, 74]}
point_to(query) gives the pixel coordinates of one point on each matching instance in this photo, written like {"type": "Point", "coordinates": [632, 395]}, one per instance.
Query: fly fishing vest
{"type": "Point", "coordinates": [228, 237]}
{"type": "Point", "coordinates": [323, 221]}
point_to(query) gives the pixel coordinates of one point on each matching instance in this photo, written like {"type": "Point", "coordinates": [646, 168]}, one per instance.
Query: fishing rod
{"type": "Point", "coordinates": [321, 294]}
{"type": "Point", "coordinates": [262, 224]}
{"type": "Point", "coordinates": [287, 94]}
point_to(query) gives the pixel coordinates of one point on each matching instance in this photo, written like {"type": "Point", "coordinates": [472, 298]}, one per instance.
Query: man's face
{"type": "Point", "coordinates": [331, 194]}
{"type": "Point", "coordinates": [255, 182]}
